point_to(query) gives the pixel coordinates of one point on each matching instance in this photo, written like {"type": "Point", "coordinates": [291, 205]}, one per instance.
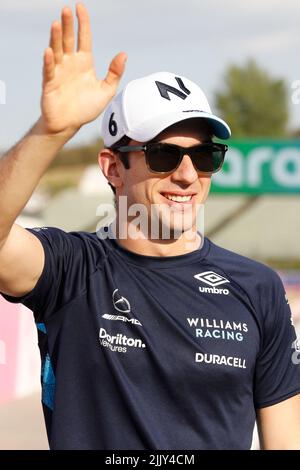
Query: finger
{"type": "Point", "coordinates": [49, 65]}
{"type": "Point", "coordinates": [68, 38]}
{"type": "Point", "coordinates": [56, 41]}
{"type": "Point", "coordinates": [116, 69]}
{"type": "Point", "coordinates": [84, 29]}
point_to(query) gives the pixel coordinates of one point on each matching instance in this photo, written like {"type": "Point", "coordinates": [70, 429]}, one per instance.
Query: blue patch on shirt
{"type": "Point", "coordinates": [41, 327]}
{"type": "Point", "coordinates": [48, 383]}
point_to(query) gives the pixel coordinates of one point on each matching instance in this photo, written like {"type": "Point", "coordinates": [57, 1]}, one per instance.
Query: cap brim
{"type": "Point", "coordinates": [152, 127]}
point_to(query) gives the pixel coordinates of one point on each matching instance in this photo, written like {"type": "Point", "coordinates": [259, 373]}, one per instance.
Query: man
{"type": "Point", "coordinates": [147, 342]}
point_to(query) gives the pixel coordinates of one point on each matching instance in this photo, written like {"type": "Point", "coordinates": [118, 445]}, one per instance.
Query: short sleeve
{"type": "Point", "coordinates": [68, 262]}
{"type": "Point", "coordinates": [277, 374]}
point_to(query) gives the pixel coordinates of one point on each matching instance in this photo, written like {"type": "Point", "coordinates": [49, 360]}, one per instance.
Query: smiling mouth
{"type": "Point", "coordinates": [178, 198]}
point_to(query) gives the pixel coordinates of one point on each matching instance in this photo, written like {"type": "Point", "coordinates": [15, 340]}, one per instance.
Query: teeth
{"type": "Point", "coordinates": [174, 198]}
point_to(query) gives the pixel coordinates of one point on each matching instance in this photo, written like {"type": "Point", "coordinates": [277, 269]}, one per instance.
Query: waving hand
{"type": "Point", "coordinates": [72, 94]}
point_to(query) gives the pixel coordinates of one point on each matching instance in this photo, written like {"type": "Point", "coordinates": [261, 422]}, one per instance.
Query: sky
{"type": "Point", "coordinates": [197, 39]}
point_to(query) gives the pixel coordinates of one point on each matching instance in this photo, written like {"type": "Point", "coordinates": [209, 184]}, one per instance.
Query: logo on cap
{"type": "Point", "coordinates": [112, 126]}
{"type": "Point", "coordinates": [164, 89]}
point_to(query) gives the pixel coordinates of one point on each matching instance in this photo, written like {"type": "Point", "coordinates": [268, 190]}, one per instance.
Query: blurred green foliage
{"type": "Point", "coordinates": [79, 155]}
{"type": "Point", "coordinates": [281, 263]}
{"type": "Point", "coordinates": [252, 102]}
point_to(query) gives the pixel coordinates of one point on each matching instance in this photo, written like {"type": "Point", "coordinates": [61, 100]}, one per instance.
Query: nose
{"type": "Point", "coordinates": [186, 172]}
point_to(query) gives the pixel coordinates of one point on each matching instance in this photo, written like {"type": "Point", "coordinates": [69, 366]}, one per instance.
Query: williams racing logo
{"type": "Point", "coordinates": [213, 280]}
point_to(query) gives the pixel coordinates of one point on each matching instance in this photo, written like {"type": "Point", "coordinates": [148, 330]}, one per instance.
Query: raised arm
{"type": "Point", "coordinates": [71, 97]}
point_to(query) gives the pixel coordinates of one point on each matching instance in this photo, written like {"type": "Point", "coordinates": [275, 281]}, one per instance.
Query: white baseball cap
{"type": "Point", "coordinates": [148, 105]}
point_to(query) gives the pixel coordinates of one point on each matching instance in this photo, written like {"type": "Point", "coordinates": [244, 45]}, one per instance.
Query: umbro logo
{"type": "Point", "coordinates": [212, 279]}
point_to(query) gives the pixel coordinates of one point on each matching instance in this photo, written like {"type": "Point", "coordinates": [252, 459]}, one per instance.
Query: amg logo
{"type": "Point", "coordinates": [120, 317]}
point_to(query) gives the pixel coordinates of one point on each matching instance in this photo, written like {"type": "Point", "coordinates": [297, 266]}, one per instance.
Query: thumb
{"type": "Point", "coordinates": [116, 70]}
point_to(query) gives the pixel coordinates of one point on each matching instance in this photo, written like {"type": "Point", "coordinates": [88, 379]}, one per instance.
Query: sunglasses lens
{"type": "Point", "coordinates": [163, 158]}
{"type": "Point", "coordinates": [208, 159]}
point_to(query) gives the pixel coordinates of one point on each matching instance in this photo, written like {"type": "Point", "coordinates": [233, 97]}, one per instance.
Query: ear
{"type": "Point", "coordinates": [111, 167]}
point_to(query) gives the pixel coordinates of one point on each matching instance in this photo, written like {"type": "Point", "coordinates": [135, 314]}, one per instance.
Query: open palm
{"type": "Point", "coordinates": [72, 94]}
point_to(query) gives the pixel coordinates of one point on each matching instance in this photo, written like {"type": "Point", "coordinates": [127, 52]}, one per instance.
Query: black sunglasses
{"type": "Point", "coordinates": [165, 158]}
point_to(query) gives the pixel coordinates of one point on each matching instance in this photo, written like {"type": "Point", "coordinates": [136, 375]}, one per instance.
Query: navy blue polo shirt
{"type": "Point", "coordinates": [145, 352]}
